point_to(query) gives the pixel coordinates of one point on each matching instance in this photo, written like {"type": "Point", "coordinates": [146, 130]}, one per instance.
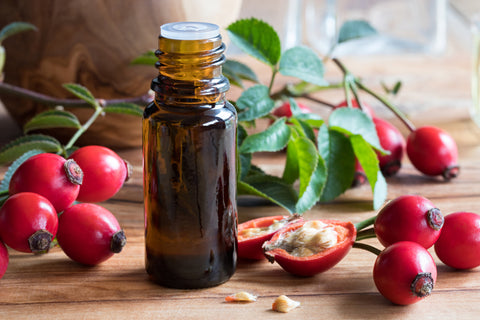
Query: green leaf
{"type": "Point", "coordinates": [291, 171]}
{"type": "Point", "coordinates": [314, 188]}
{"type": "Point", "coordinates": [255, 102]}
{"type": "Point", "coordinates": [302, 63]}
{"type": "Point", "coordinates": [307, 161]}
{"type": "Point", "coordinates": [124, 108]}
{"type": "Point", "coordinates": [355, 29]}
{"type": "Point", "coordinates": [147, 58]}
{"type": "Point", "coordinates": [309, 118]}
{"type": "Point", "coordinates": [256, 38]}
{"type": "Point", "coordinates": [271, 188]}
{"type": "Point", "coordinates": [14, 28]}
{"type": "Point", "coordinates": [369, 162]}
{"type": "Point", "coordinates": [274, 138]}
{"type": "Point", "coordinates": [303, 128]}
{"type": "Point", "coordinates": [14, 166]}
{"type": "Point", "coordinates": [21, 145]}
{"type": "Point", "coordinates": [236, 71]}
{"type": "Point", "coordinates": [81, 92]}
{"type": "Point", "coordinates": [352, 121]}
{"type": "Point", "coordinates": [52, 119]}
{"type": "Point", "coordinates": [337, 152]}
{"type": "Point", "coordinates": [245, 164]}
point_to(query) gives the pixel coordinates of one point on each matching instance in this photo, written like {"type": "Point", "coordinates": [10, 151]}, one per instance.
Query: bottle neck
{"type": "Point", "coordinates": [190, 72]}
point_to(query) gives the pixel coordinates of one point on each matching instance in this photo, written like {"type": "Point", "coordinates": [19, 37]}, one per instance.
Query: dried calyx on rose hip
{"type": "Point", "coordinates": [306, 248]}
{"type": "Point", "coordinates": [253, 233]}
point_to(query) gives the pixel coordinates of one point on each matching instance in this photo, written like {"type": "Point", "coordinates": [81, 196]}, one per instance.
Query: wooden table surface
{"type": "Point", "coordinates": [436, 91]}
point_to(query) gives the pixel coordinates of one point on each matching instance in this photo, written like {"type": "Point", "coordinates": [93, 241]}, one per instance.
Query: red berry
{"type": "Point", "coordinates": [104, 173]}
{"type": "Point", "coordinates": [391, 140]}
{"type": "Point", "coordinates": [51, 176]}
{"type": "Point", "coordinates": [285, 110]}
{"type": "Point", "coordinates": [409, 218]}
{"type": "Point", "coordinates": [459, 243]}
{"type": "Point", "coordinates": [3, 259]}
{"type": "Point", "coordinates": [366, 107]}
{"type": "Point", "coordinates": [433, 152]}
{"type": "Point", "coordinates": [359, 176]}
{"type": "Point", "coordinates": [89, 234]}
{"type": "Point", "coordinates": [28, 222]}
{"type": "Point", "coordinates": [405, 273]}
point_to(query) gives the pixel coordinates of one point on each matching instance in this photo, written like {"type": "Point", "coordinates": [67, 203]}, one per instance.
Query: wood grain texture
{"type": "Point", "coordinates": [51, 285]}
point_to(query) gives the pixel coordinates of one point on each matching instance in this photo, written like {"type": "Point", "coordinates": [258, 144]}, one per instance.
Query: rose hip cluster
{"type": "Point", "coordinates": [41, 205]}
{"type": "Point", "coordinates": [405, 272]}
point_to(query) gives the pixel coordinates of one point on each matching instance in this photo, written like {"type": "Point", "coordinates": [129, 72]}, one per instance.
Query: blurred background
{"type": "Point", "coordinates": [93, 43]}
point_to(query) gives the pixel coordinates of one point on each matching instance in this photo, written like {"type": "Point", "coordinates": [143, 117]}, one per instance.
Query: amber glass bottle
{"type": "Point", "coordinates": [189, 145]}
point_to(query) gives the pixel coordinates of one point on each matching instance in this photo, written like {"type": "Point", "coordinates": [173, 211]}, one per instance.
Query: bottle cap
{"type": "Point", "coordinates": [189, 30]}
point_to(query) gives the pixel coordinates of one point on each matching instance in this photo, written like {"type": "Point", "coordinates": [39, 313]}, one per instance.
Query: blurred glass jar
{"type": "Point", "coordinates": [404, 26]}
{"type": "Point", "coordinates": [475, 106]}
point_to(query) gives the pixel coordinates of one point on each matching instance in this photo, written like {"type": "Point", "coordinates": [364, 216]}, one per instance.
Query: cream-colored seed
{"type": "Point", "coordinates": [284, 304]}
{"type": "Point", "coordinates": [241, 297]}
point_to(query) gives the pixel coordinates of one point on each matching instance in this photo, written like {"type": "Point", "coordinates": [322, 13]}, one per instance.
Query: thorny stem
{"type": "Point", "coordinates": [51, 101]}
{"type": "Point", "coordinates": [367, 247]}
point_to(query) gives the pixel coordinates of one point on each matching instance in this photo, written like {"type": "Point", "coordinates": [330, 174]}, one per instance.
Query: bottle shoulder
{"type": "Point", "coordinates": [222, 111]}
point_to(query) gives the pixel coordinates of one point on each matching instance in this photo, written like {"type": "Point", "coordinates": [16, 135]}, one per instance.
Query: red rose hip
{"type": "Point", "coordinates": [409, 218]}
{"type": "Point", "coordinates": [51, 176]}
{"type": "Point", "coordinates": [391, 140]}
{"type": "Point", "coordinates": [459, 243]}
{"type": "Point", "coordinates": [405, 273]}
{"type": "Point", "coordinates": [433, 152]}
{"type": "Point", "coordinates": [28, 222]}
{"type": "Point", "coordinates": [3, 259]}
{"type": "Point", "coordinates": [366, 107]}
{"type": "Point", "coordinates": [89, 234]}
{"type": "Point", "coordinates": [104, 173]}
{"type": "Point", "coordinates": [285, 110]}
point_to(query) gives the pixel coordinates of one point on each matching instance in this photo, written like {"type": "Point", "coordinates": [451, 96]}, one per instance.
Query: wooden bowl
{"type": "Point", "coordinates": [91, 43]}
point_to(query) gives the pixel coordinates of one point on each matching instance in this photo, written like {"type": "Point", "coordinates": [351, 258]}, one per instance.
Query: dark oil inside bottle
{"type": "Point", "coordinates": [189, 138]}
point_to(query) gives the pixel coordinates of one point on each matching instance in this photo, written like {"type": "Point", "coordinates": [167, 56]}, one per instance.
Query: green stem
{"type": "Point", "coordinates": [366, 234]}
{"type": "Point", "coordinates": [85, 126]}
{"type": "Point", "coordinates": [365, 223]}
{"type": "Point", "coordinates": [367, 247]}
{"type": "Point", "coordinates": [388, 104]}
{"type": "Point", "coordinates": [274, 73]}
{"type": "Point", "coordinates": [325, 103]}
